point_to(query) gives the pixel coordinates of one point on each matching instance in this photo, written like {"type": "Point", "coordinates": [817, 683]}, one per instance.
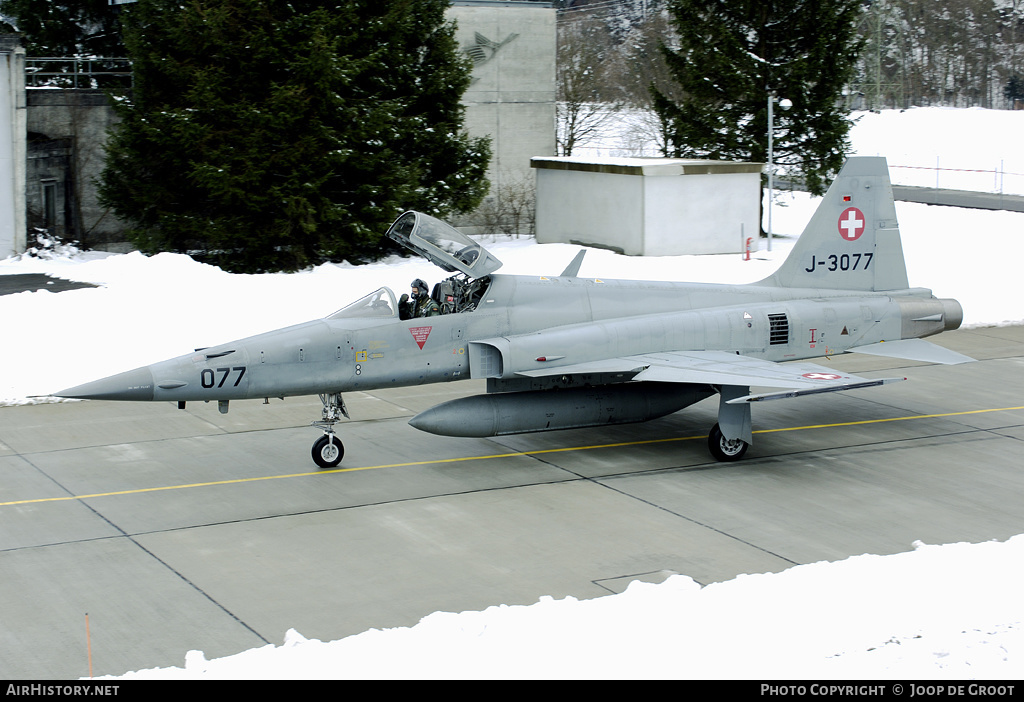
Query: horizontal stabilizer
{"type": "Point", "coordinates": [813, 391]}
{"type": "Point", "coordinates": [913, 350]}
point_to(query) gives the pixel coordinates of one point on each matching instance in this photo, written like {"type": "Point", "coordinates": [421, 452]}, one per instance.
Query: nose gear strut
{"type": "Point", "coordinates": [328, 450]}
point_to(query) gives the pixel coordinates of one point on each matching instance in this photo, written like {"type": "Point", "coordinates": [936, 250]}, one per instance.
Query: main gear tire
{"type": "Point", "coordinates": [723, 449]}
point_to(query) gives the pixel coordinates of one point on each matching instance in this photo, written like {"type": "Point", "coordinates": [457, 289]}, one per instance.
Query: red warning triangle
{"type": "Point", "coordinates": [420, 334]}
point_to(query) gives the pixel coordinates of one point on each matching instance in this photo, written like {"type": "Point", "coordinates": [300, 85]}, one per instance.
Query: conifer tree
{"type": "Point", "coordinates": [67, 27]}
{"type": "Point", "coordinates": [271, 135]}
{"type": "Point", "coordinates": [733, 53]}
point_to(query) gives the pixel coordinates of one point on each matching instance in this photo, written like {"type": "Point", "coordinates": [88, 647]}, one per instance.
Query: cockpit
{"type": "Point", "coordinates": [444, 246]}
{"type": "Point", "coordinates": [452, 295]}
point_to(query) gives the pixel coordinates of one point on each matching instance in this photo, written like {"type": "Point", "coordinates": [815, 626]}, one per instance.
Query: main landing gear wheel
{"type": "Point", "coordinates": [725, 449]}
{"type": "Point", "coordinates": [328, 451]}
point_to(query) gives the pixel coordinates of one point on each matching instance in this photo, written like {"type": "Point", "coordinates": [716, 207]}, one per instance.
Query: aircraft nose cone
{"type": "Point", "coordinates": [131, 385]}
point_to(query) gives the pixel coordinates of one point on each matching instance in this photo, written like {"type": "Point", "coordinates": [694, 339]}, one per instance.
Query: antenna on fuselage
{"type": "Point", "coordinates": [573, 269]}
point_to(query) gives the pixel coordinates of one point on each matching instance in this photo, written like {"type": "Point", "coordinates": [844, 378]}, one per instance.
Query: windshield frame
{"type": "Point", "coordinates": [380, 304]}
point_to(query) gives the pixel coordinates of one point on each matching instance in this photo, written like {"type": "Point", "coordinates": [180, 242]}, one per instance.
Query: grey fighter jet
{"type": "Point", "coordinates": [567, 351]}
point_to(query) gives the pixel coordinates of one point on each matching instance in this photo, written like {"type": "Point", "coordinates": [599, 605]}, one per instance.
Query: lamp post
{"type": "Point", "coordinates": [771, 163]}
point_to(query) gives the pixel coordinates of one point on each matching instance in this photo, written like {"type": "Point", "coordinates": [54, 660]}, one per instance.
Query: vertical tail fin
{"type": "Point", "coordinates": [853, 240]}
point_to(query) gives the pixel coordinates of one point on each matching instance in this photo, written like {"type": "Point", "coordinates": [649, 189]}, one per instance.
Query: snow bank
{"type": "Point", "coordinates": [937, 612]}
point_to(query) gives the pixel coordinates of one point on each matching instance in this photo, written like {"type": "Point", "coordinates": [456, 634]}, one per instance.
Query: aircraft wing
{"type": "Point", "coordinates": [723, 368]}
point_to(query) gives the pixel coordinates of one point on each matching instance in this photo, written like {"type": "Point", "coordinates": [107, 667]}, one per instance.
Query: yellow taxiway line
{"type": "Point", "coordinates": [489, 457]}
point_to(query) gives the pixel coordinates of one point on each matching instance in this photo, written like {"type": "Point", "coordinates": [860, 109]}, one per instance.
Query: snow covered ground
{"type": "Point", "coordinates": [943, 147]}
{"type": "Point", "coordinates": [935, 147]}
{"type": "Point", "coordinates": [938, 611]}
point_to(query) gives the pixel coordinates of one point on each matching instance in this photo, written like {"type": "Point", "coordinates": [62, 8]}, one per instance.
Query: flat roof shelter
{"type": "Point", "coordinates": [649, 206]}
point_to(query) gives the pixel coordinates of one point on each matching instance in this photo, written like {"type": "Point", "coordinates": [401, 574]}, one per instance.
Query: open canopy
{"type": "Point", "coordinates": [442, 245]}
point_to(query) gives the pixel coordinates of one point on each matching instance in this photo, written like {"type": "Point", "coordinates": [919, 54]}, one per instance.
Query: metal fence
{"type": "Point", "coordinates": [78, 73]}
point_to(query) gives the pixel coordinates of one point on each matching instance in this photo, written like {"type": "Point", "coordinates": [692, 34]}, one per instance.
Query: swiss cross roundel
{"type": "Point", "coordinates": [822, 376]}
{"type": "Point", "coordinates": [851, 224]}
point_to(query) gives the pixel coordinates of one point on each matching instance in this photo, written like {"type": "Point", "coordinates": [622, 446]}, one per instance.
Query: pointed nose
{"type": "Point", "coordinates": [131, 385]}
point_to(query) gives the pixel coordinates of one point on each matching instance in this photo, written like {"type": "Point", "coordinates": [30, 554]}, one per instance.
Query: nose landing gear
{"type": "Point", "coordinates": [328, 449]}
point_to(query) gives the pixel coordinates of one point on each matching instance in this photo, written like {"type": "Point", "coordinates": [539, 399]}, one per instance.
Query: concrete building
{"type": "Point", "coordinates": [12, 146]}
{"type": "Point", "coordinates": [67, 135]}
{"type": "Point", "coordinates": [512, 97]}
{"type": "Point", "coordinates": [649, 206]}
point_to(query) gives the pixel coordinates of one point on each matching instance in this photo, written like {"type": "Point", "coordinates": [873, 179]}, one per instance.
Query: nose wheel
{"type": "Point", "coordinates": [328, 450]}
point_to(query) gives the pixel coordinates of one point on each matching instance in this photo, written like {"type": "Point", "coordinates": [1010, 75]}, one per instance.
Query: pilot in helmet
{"type": "Point", "coordinates": [419, 303]}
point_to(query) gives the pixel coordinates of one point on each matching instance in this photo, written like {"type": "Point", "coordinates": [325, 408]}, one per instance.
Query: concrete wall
{"type": "Point", "coordinates": [702, 214]}
{"type": "Point", "coordinates": [12, 146]}
{"type": "Point", "coordinates": [512, 97]}
{"type": "Point", "coordinates": [648, 207]}
{"type": "Point", "coordinates": [67, 137]}
{"type": "Point", "coordinates": [591, 208]}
